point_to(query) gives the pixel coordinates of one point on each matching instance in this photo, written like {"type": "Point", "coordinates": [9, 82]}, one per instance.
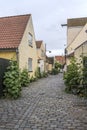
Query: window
{"type": "Point", "coordinates": [30, 64]}
{"type": "Point", "coordinates": [42, 53]}
{"type": "Point", "coordinates": [30, 39]}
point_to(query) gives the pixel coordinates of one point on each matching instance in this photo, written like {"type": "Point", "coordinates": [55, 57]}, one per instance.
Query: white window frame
{"type": "Point", "coordinates": [30, 39]}
{"type": "Point", "coordinates": [30, 64]}
{"type": "Point", "coordinates": [42, 53]}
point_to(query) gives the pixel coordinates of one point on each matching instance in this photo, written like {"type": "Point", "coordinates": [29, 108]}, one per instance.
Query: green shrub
{"type": "Point", "coordinates": [57, 66]}
{"type": "Point", "coordinates": [76, 81]}
{"type": "Point", "coordinates": [71, 77]}
{"type": "Point", "coordinates": [37, 73]}
{"type": "Point", "coordinates": [54, 71]}
{"type": "Point", "coordinates": [32, 79]}
{"type": "Point", "coordinates": [85, 71]}
{"type": "Point", "coordinates": [24, 78]}
{"type": "Point", "coordinates": [44, 74]}
{"type": "Point", "coordinates": [12, 81]}
{"type": "Point", "coordinates": [83, 79]}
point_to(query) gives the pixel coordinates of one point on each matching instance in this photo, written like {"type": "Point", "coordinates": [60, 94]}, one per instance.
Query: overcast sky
{"type": "Point", "coordinates": [48, 15]}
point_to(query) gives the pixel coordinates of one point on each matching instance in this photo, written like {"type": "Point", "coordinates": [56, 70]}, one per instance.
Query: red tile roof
{"type": "Point", "coordinates": [60, 59]}
{"type": "Point", "coordinates": [38, 43]}
{"type": "Point", "coordinates": [12, 29]}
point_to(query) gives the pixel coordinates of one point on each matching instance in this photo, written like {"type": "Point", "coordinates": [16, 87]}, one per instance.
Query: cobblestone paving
{"type": "Point", "coordinates": [44, 106]}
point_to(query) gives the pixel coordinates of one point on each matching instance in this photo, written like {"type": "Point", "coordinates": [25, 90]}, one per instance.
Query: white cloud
{"type": "Point", "coordinates": [48, 15]}
{"type": "Point", "coordinates": [55, 52]}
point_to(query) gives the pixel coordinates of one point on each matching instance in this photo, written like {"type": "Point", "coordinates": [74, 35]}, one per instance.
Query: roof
{"type": "Point", "coordinates": [60, 59]}
{"type": "Point", "coordinates": [11, 30]}
{"type": "Point", "coordinates": [81, 45]}
{"type": "Point", "coordinates": [71, 54]}
{"type": "Point", "coordinates": [38, 43]}
{"type": "Point", "coordinates": [76, 22]}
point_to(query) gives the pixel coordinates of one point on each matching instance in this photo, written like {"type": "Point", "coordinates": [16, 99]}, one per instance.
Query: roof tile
{"type": "Point", "coordinates": [60, 59]}
{"type": "Point", "coordinates": [12, 29]}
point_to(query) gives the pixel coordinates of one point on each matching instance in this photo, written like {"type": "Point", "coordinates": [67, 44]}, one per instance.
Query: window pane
{"type": "Point", "coordinates": [30, 64]}
{"type": "Point", "coordinates": [42, 53]}
{"type": "Point", "coordinates": [30, 39]}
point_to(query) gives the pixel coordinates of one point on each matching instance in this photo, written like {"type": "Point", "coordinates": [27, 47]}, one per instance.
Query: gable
{"type": "Point", "coordinates": [11, 30]}
{"type": "Point", "coordinates": [60, 59]}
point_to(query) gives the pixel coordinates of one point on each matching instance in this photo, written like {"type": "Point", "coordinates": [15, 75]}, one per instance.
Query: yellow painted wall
{"type": "Point", "coordinates": [72, 33]}
{"type": "Point", "coordinates": [68, 60]}
{"type": "Point", "coordinates": [39, 54]}
{"type": "Point", "coordinates": [50, 67]}
{"type": "Point", "coordinates": [78, 53]}
{"type": "Point", "coordinates": [26, 51]}
{"type": "Point", "coordinates": [80, 38]}
{"type": "Point", "coordinates": [81, 52]}
{"type": "Point", "coordinates": [39, 51]}
{"type": "Point", "coordinates": [8, 55]}
{"type": "Point", "coordinates": [76, 39]}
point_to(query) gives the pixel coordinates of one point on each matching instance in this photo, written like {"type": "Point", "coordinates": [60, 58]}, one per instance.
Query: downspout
{"type": "Point", "coordinates": [17, 55]}
{"type": "Point", "coordinates": [82, 54]}
{"type": "Point", "coordinates": [45, 60]}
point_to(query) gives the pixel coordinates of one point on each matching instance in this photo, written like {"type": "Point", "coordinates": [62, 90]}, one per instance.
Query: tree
{"type": "Point", "coordinates": [71, 77]}
{"type": "Point", "coordinates": [12, 81]}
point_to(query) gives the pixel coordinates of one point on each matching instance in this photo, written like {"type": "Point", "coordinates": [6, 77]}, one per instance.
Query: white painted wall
{"type": "Point", "coordinates": [41, 65]}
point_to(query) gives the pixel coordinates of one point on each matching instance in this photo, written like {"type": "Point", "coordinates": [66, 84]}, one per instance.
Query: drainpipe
{"type": "Point", "coordinates": [17, 55]}
{"type": "Point", "coordinates": [45, 59]}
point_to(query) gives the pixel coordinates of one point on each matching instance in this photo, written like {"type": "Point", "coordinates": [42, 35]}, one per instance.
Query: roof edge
{"type": "Point", "coordinates": [9, 49]}
{"type": "Point", "coordinates": [81, 45]}
{"type": "Point", "coordinates": [15, 16]}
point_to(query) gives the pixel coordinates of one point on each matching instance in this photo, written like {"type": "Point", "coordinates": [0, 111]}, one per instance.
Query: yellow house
{"type": "Point", "coordinates": [17, 41]}
{"type": "Point", "coordinates": [41, 55]}
{"type": "Point", "coordinates": [76, 35]}
{"type": "Point", "coordinates": [80, 52]}
{"type": "Point", "coordinates": [50, 63]}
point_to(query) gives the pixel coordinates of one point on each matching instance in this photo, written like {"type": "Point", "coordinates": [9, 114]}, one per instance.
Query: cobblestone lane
{"type": "Point", "coordinates": [44, 106]}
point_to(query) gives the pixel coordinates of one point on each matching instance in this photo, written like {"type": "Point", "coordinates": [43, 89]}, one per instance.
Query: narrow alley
{"type": "Point", "coordinates": [44, 106]}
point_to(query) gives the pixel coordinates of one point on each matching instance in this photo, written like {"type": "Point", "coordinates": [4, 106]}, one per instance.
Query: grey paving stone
{"type": "Point", "coordinates": [44, 106]}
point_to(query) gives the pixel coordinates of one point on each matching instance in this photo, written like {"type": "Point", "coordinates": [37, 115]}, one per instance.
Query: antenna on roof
{"type": "Point", "coordinates": [63, 25]}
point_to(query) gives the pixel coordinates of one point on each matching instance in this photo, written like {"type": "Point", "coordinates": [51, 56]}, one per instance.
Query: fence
{"type": "Point", "coordinates": [3, 65]}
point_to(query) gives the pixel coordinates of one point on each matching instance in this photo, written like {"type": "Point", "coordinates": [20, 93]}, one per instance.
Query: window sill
{"type": "Point", "coordinates": [30, 71]}
{"type": "Point", "coordinates": [30, 45]}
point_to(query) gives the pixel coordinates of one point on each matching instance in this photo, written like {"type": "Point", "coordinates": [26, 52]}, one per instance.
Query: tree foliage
{"type": "Point", "coordinates": [24, 78]}
{"type": "Point", "coordinates": [12, 81]}
{"type": "Point", "coordinates": [71, 77]}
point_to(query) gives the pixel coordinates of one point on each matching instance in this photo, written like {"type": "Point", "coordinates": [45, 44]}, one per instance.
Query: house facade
{"type": "Point", "coordinates": [60, 59]}
{"type": "Point", "coordinates": [76, 36]}
{"type": "Point", "coordinates": [17, 41]}
{"type": "Point", "coordinates": [50, 63]}
{"type": "Point", "coordinates": [80, 52]}
{"type": "Point", "coordinates": [41, 55]}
